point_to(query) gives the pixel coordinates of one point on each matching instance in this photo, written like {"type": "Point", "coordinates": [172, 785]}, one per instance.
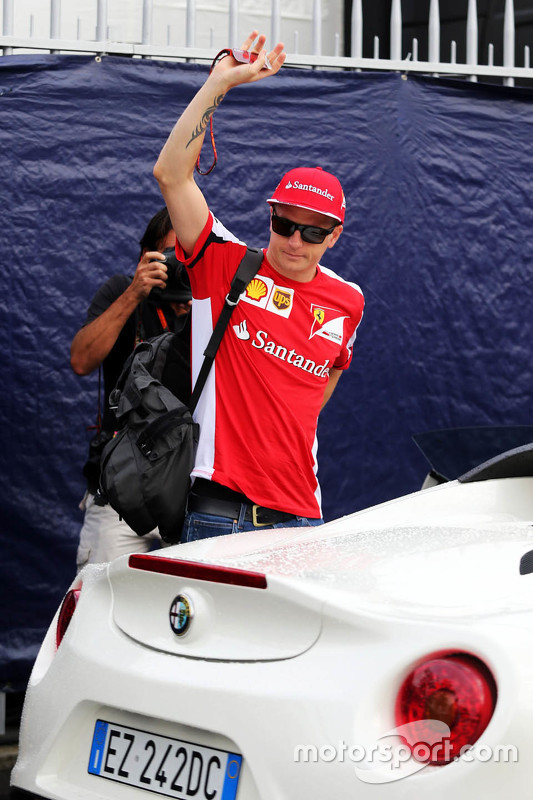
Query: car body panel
{"type": "Point", "coordinates": [277, 625]}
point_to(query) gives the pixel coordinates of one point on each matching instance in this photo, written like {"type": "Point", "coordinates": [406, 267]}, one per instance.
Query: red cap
{"type": "Point", "coordinates": [312, 188]}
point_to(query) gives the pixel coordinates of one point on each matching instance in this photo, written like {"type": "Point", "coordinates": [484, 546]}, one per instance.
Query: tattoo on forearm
{"type": "Point", "coordinates": [206, 116]}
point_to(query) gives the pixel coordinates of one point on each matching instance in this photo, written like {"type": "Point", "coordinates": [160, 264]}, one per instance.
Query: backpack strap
{"type": "Point", "coordinates": [244, 274]}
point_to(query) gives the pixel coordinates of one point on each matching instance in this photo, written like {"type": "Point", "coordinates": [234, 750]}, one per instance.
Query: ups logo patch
{"type": "Point", "coordinates": [281, 299]}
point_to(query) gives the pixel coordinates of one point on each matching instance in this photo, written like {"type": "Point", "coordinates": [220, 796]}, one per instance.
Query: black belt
{"type": "Point", "coordinates": [259, 515]}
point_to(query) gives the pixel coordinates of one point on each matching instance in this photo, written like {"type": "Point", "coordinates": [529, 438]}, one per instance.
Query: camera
{"type": "Point", "coordinates": [178, 288]}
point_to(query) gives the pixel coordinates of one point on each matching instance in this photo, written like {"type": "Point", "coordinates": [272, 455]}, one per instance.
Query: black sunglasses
{"type": "Point", "coordinates": [311, 234]}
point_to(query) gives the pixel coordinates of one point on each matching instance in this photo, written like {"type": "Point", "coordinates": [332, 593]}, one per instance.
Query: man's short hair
{"type": "Point", "coordinates": [156, 230]}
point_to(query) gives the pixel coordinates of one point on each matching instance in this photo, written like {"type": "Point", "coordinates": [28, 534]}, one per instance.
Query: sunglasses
{"type": "Point", "coordinates": [311, 234]}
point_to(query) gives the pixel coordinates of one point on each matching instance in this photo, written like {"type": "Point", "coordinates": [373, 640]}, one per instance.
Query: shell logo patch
{"type": "Point", "coordinates": [256, 289]}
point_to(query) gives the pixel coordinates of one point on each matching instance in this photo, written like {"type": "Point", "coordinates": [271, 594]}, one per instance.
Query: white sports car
{"type": "Point", "coordinates": [387, 654]}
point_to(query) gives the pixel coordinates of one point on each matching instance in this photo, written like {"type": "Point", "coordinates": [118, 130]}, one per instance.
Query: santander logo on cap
{"type": "Point", "coordinates": [308, 187]}
{"type": "Point", "coordinates": [312, 188]}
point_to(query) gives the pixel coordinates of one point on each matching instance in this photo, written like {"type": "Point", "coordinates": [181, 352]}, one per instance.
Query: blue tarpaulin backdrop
{"type": "Point", "coordinates": [438, 177]}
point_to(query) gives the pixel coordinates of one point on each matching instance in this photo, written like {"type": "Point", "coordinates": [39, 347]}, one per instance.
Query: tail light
{"type": "Point", "coordinates": [457, 690]}
{"type": "Point", "coordinates": [66, 613]}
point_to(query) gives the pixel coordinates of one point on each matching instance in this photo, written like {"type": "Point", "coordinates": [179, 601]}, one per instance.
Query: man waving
{"type": "Point", "coordinates": [291, 335]}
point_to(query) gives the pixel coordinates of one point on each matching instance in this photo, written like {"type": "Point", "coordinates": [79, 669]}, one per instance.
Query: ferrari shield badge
{"type": "Point", "coordinates": [180, 614]}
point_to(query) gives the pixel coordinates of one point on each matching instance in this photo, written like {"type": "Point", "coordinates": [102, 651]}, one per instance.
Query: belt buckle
{"type": "Point", "coordinates": [255, 521]}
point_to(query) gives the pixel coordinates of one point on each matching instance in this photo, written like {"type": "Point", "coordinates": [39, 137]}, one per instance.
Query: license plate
{"type": "Point", "coordinates": [170, 767]}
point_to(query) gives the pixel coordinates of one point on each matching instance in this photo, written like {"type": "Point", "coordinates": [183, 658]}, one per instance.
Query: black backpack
{"type": "Point", "coordinates": [156, 440]}
{"type": "Point", "coordinates": [146, 467]}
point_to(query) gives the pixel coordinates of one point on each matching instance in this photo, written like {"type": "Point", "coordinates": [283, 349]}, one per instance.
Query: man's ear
{"type": "Point", "coordinates": [335, 235]}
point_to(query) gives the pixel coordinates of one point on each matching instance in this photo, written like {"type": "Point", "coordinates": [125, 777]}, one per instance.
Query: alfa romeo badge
{"type": "Point", "coordinates": [180, 614]}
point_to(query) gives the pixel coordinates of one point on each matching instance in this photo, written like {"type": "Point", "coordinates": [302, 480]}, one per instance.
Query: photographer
{"type": "Point", "coordinates": [125, 311]}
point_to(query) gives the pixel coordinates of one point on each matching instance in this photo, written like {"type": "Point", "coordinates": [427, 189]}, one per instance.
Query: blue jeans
{"type": "Point", "coordinates": [202, 526]}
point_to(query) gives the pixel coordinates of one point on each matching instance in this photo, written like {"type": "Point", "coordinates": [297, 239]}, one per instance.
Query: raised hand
{"type": "Point", "coordinates": [236, 73]}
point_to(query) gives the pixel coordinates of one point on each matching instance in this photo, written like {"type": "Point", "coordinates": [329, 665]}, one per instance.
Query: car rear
{"type": "Point", "coordinates": [272, 669]}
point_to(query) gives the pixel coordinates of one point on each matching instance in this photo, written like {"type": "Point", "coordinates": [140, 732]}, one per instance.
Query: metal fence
{"type": "Point", "coordinates": [472, 69]}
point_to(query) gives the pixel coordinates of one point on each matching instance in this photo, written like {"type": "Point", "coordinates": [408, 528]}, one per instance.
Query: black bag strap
{"type": "Point", "coordinates": [244, 274]}
{"type": "Point", "coordinates": [158, 428]}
